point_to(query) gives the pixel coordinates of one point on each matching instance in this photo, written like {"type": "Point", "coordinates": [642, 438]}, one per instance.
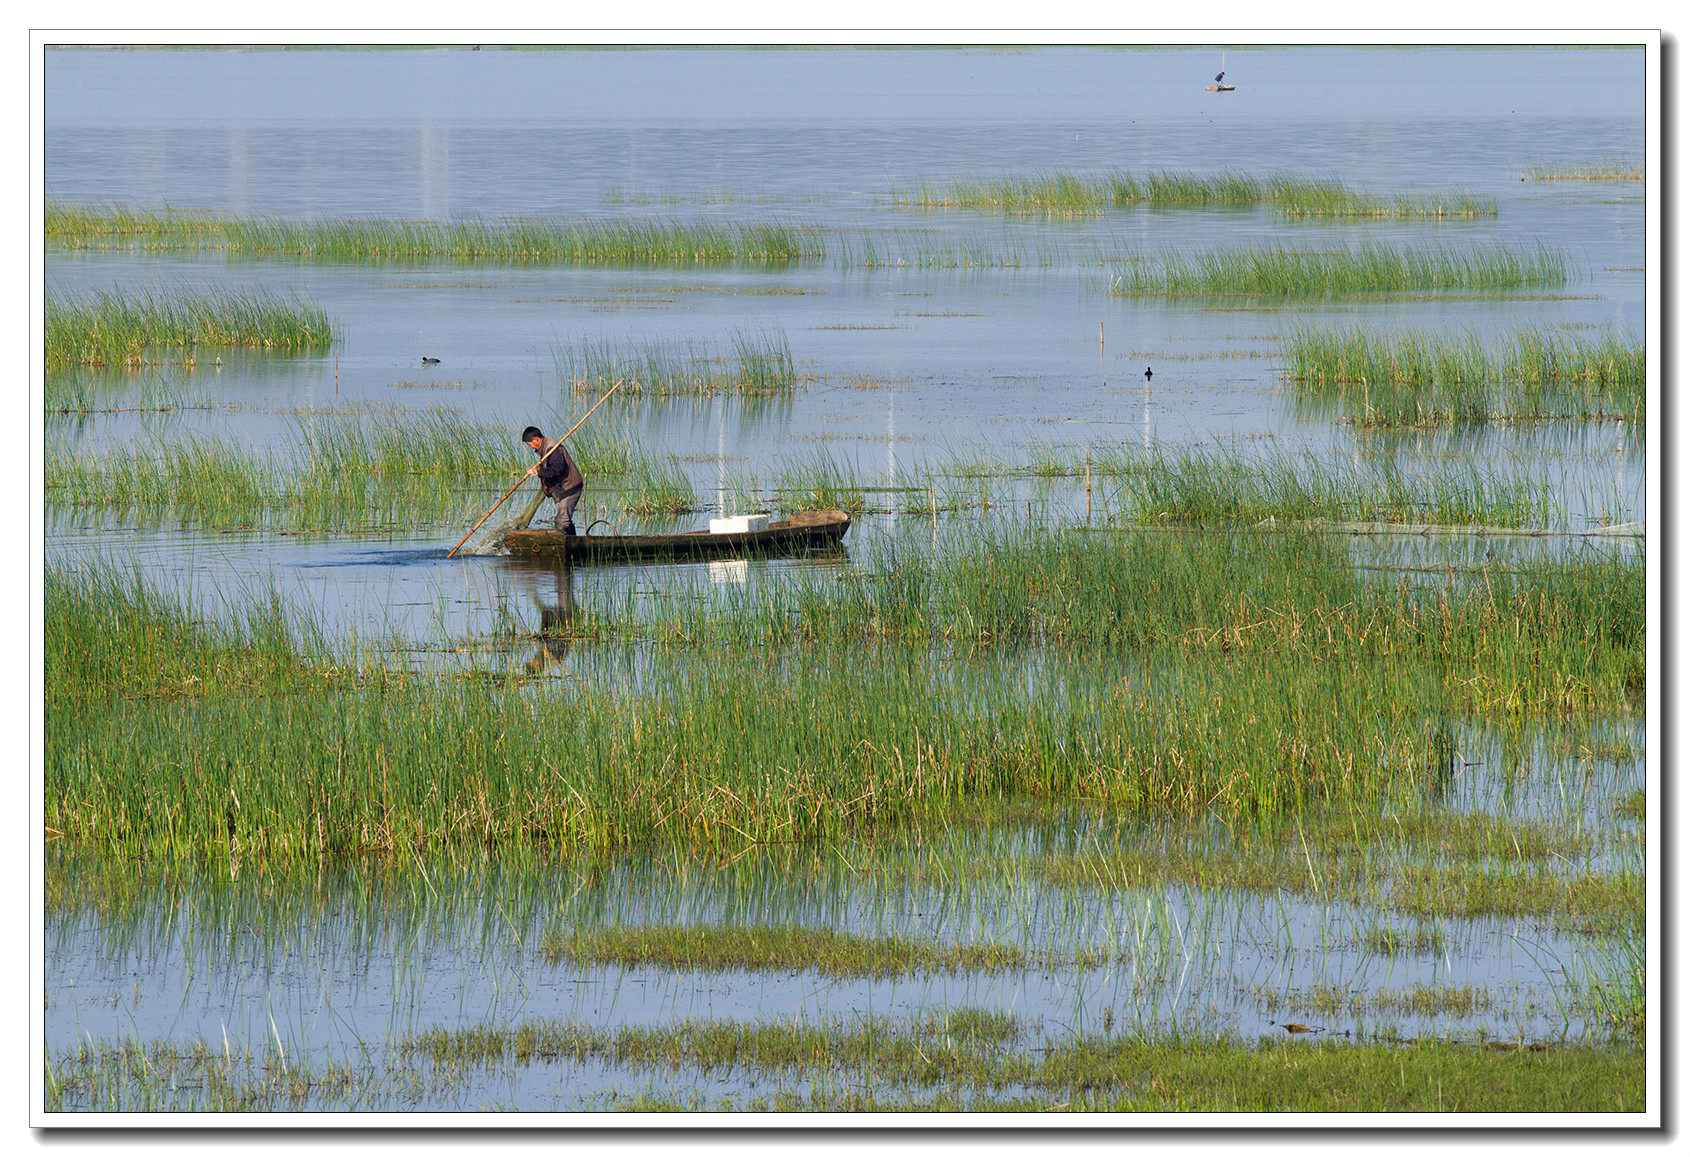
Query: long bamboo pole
{"type": "Point", "coordinates": [543, 457]}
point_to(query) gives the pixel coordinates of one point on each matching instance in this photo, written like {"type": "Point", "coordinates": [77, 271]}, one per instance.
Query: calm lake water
{"type": "Point", "coordinates": [991, 359]}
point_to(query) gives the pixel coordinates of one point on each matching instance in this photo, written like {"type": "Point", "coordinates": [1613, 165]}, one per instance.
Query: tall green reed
{"type": "Point", "coordinates": [1072, 194]}
{"type": "Point", "coordinates": [1244, 675]}
{"type": "Point", "coordinates": [1415, 377]}
{"type": "Point", "coordinates": [111, 329]}
{"type": "Point", "coordinates": [761, 366]}
{"type": "Point", "coordinates": [1371, 267]}
{"type": "Point", "coordinates": [1608, 169]}
{"type": "Point", "coordinates": [536, 240]}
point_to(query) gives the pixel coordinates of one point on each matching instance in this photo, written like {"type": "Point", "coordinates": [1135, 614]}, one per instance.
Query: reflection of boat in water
{"type": "Point", "coordinates": [807, 528]}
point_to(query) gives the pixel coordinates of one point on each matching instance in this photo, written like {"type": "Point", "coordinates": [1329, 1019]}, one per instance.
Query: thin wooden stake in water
{"type": "Point", "coordinates": [543, 457]}
{"type": "Point", "coordinates": [1088, 487]}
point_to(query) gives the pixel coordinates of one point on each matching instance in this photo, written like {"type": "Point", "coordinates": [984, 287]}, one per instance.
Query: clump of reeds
{"type": "Point", "coordinates": [1417, 377]}
{"type": "Point", "coordinates": [1277, 271]}
{"type": "Point", "coordinates": [1062, 193]}
{"type": "Point", "coordinates": [1608, 169]}
{"type": "Point", "coordinates": [112, 635]}
{"type": "Point", "coordinates": [1573, 639]}
{"type": "Point", "coordinates": [1399, 206]}
{"type": "Point", "coordinates": [652, 486]}
{"type": "Point", "coordinates": [360, 472]}
{"type": "Point", "coordinates": [1202, 487]}
{"type": "Point", "coordinates": [130, 330]}
{"type": "Point", "coordinates": [512, 239]}
{"type": "Point", "coordinates": [861, 742]}
{"type": "Point", "coordinates": [761, 366]}
{"type": "Point", "coordinates": [1242, 676]}
{"type": "Point", "coordinates": [215, 481]}
{"type": "Point", "coordinates": [384, 466]}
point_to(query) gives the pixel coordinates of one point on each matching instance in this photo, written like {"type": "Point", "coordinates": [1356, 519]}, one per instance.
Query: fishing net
{"type": "Point", "coordinates": [493, 541]}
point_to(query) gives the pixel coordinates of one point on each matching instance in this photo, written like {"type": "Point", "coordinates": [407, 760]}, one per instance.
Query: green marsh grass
{"type": "Point", "coordinates": [1415, 378]}
{"type": "Point", "coordinates": [1421, 941]}
{"type": "Point", "coordinates": [712, 755]}
{"type": "Point", "coordinates": [1063, 193]}
{"type": "Point", "coordinates": [958, 1043]}
{"type": "Point", "coordinates": [651, 487]}
{"type": "Point", "coordinates": [1197, 486]}
{"type": "Point", "coordinates": [166, 1076]}
{"type": "Point", "coordinates": [781, 947]}
{"type": "Point", "coordinates": [518, 240]}
{"type": "Point", "coordinates": [117, 636]}
{"type": "Point", "coordinates": [1263, 676]}
{"type": "Point", "coordinates": [1415, 875]}
{"type": "Point", "coordinates": [986, 1064]}
{"type": "Point", "coordinates": [761, 366]}
{"type": "Point", "coordinates": [1608, 169]}
{"type": "Point", "coordinates": [1368, 268]}
{"type": "Point", "coordinates": [365, 471]}
{"type": "Point", "coordinates": [961, 1060]}
{"type": "Point", "coordinates": [95, 329]}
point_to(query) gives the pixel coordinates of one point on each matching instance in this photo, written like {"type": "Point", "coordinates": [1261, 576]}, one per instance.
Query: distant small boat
{"type": "Point", "coordinates": [1220, 76]}
{"type": "Point", "coordinates": [807, 528]}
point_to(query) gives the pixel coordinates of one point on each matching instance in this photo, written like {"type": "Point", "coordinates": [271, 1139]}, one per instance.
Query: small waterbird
{"type": "Point", "coordinates": [1147, 373]}
{"type": "Point", "coordinates": [1296, 1028]}
{"type": "Point", "coordinates": [431, 361]}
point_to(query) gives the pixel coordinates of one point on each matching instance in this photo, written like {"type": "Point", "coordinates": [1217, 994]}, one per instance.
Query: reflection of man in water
{"type": "Point", "coordinates": [557, 623]}
{"type": "Point", "coordinates": [560, 478]}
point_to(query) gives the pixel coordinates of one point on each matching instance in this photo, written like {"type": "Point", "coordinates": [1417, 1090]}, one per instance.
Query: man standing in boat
{"type": "Point", "coordinates": [560, 478]}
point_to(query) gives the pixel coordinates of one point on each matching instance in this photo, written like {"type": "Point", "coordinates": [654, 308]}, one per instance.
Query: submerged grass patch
{"type": "Point", "coordinates": [963, 1060]}
{"type": "Point", "coordinates": [75, 393]}
{"type": "Point", "coordinates": [1415, 877]}
{"type": "Point", "coordinates": [1372, 267]}
{"type": "Point", "coordinates": [536, 240]}
{"type": "Point", "coordinates": [1415, 378]}
{"type": "Point", "coordinates": [95, 329]}
{"type": "Point", "coordinates": [782, 947]}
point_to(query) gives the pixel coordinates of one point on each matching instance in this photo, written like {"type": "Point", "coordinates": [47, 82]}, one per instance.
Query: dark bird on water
{"type": "Point", "coordinates": [1147, 373]}
{"type": "Point", "coordinates": [431, 361]}
{"type": "Point", "coordinates": [1219, 74]}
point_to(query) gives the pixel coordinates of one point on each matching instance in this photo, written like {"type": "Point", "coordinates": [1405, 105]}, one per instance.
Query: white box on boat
{"type": "Point", "coordinates": [739, 524]}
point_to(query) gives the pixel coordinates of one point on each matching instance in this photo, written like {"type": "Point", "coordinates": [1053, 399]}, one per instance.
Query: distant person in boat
{"type": "Point", "coordinates": [1219, 75]}
{"type": "Point", "coordinates": [560, 479]}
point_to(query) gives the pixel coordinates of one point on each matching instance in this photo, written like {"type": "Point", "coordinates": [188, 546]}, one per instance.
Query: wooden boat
{"type": "Point", "coordinates": [1220, 88]}
{"type": "Point", "coordinates": [807, 528]}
